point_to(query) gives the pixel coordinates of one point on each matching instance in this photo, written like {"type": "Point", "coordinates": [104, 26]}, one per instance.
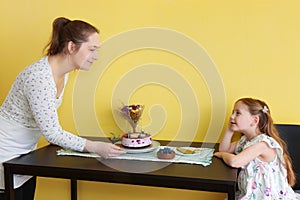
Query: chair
{"type": "Point", "coordinates": [290, 133]}
{"type": "Point", "coordinates": [2, 194]}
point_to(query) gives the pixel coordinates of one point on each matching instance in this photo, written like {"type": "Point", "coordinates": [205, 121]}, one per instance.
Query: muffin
{"type": "Point", "coordinates": [166, 153]}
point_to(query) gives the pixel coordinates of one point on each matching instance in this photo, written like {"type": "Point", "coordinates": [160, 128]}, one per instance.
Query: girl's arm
{"type": "Point", "coordinates": [226, 145]}
{"type": "Point", "coordinates": [260, 150]}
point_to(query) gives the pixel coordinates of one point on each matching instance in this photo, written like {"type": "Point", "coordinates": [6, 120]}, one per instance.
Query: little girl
{"type": "Point", "coordinates": [266, 168]}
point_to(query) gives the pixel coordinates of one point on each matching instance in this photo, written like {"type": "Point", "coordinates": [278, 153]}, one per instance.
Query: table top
{"type": "Point", "coordinates": [45, 162]}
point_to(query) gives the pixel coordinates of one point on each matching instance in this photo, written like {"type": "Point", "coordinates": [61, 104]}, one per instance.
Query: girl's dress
{"type": "Point", "coordinates": [264, 180]}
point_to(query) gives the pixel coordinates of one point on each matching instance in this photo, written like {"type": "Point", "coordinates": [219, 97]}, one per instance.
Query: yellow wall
{"type": "Point", "coordinates": [253, 46]}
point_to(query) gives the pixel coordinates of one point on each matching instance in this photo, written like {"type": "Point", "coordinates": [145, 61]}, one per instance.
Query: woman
{"type": "Point", "coordinates": [30, 108]}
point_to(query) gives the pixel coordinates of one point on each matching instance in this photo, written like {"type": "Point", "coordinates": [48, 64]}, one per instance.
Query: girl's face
{"type": "Point", "coordinates": [87, 53]}
{"type": "Point", "coordinates": [241, 120]}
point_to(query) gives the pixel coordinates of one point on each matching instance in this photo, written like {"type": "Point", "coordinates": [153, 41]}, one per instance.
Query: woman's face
{"type": "Point", "coordinates": [87, 53]}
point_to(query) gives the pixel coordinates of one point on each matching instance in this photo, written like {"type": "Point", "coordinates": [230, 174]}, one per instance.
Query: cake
{"type": "Point", "coordinates": [166, 153]}
{"type": "Point", "coordinates": [136, 140]}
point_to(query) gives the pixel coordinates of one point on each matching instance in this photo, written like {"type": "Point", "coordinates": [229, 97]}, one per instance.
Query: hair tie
{"type": "Point", "coordinates": [67, 22]}
{"type": "Point", "coordinates": [265, 109]}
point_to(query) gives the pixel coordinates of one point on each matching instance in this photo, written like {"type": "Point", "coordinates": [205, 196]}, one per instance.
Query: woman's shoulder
{"type": "Point", "coordinates": [38, 69]}
{"type": "Point", "coordinates": [40, 66]}
{"type": "Point", "coordinates": [36, 74]}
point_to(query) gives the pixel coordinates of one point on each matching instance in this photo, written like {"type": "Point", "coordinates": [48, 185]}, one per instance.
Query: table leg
{"type": "Point", "coordinates": [73, 189]}
{"type": "Point", "coordinates": [9, 183]}
{"type": "Point", "coordinates": [231, 192]}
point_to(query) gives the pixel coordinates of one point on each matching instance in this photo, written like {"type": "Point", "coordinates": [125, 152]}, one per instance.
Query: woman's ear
{"type": "Point", "coordinates": [71, 47]}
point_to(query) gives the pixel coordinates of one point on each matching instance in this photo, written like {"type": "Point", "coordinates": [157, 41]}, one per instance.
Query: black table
{"type": "Point", "coordinates": [217, 177]}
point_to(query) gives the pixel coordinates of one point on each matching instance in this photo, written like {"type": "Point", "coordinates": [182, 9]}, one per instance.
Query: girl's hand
{"type": "Point", "coordinates": [226, 145]}
{"type": "Point", "coordinates": [218, 154]}
{"type": "Point", "coordinates": [229, 127]}
{"type": "Point", "coordinates": [103, 149]}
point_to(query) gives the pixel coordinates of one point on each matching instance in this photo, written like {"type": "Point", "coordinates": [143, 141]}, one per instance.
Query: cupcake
{"type": "Point", "coordinates": [166, 153]}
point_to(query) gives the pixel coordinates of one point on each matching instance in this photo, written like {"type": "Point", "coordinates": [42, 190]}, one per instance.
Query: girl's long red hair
{"type": "Point", "coordinates": [266, 126]}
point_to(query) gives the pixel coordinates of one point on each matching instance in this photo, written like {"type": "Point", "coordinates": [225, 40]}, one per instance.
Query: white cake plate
{"type": "Point", "coordinates": [152, 147]}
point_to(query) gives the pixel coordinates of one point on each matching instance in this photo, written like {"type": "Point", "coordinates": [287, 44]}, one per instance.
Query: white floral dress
{"type": "Point", "coordinates": [264, 180]}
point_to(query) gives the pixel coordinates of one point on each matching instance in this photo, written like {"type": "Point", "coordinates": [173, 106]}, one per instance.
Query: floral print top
{"type": "Point", "coordinates": [264, 180]}
{"type": "Point", "coordinates": [32, 103]}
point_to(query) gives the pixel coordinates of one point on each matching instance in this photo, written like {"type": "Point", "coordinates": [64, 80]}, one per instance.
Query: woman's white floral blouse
{"type": "Point", "coordinates": [32, 103]}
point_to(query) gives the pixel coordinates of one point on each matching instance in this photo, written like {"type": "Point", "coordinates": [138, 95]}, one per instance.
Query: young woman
{"type": "Point", "coordinates": [266, 168]}
{"type": "Point", "coordinates": [30, 108]}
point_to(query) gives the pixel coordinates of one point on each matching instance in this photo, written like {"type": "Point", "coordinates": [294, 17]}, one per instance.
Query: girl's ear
{"type": "Point", "coordinates": [71, 47]}
{"type": "Point", "coordinates": [255, 120]}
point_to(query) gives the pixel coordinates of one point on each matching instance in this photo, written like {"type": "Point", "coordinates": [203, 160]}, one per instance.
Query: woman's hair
{"type": "Point", "coordinates": [266, 126]}
{"type": "Point", "coordinates": [64, 31]}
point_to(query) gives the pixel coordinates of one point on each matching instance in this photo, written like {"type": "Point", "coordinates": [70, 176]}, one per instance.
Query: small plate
{"type": "Point", "coordinates": [152, 147]}
{"type": "Point", "coordinates": [197, 151]}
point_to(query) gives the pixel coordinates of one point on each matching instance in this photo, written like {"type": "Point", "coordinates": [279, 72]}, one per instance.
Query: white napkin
{"type": "Point", "coordinates": [204, 158]}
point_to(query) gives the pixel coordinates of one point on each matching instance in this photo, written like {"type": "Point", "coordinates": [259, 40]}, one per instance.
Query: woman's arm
{"type": "Point", "coordinates": [41, 96]}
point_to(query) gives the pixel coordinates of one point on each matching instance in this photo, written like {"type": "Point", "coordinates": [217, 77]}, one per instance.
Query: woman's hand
{"type": "Point", "coordinates": [103, 149]}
